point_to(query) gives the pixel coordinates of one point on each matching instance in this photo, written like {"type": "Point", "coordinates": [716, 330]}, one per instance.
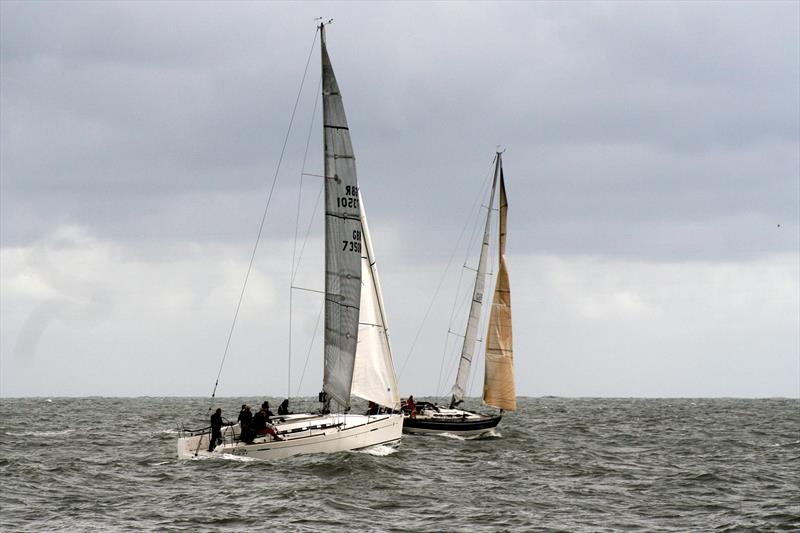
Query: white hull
{"type": "Point", "coordinates": [303, 434]}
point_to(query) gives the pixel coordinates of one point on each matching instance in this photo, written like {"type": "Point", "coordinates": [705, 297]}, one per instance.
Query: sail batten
{"type": "Point", "coordinates": [342, 241]}
{"type": "Point", "coordinates": [471, 335]}
{"type": "Point", "coordinates": [498, 387]}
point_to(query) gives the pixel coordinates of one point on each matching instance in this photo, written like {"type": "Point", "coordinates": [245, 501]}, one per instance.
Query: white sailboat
{"type": "Point", "coordinates": [358, 358]}
{"type": "Point", "coordinates": [498, 386]}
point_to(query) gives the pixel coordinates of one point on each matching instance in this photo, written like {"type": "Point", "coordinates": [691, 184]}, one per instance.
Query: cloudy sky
{"type": "Point", "coordinates": [652, 162]}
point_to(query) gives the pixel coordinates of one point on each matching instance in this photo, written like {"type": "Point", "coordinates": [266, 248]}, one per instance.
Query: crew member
{"type": "Point", "coordinates": [265, 407]}
{"type": "Point", "coordinates": [216, 429]}
{"type": "Point", "coordinates": [373, 409]}
{"type": "Point", "coordinates": [412, 407]}
{"type": "Point", "coordinates": [245, 420]}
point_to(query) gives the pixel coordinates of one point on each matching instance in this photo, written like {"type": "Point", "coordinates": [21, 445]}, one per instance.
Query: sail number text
{"type": "Point", "coordinates": [350, 198]}
{"type": "Point", "coordinates": [355, 244]}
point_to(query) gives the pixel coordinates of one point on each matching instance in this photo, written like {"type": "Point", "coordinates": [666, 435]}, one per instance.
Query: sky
{"type": "Point", "coordinates": [652, 161]}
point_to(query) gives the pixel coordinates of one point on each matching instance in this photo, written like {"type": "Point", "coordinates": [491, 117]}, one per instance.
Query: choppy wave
{"type": "Point", "coordinates": [556, 464]}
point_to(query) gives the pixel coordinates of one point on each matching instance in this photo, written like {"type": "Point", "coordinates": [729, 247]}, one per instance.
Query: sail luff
{"type": "Point", "coordinates": [498, 386]}
{"type": "Point", "coordinates": [342, 241]}
{"type": "Point", "coordinates": [374, 377]}
{"type": "Point", "coordinates": [471, 334]}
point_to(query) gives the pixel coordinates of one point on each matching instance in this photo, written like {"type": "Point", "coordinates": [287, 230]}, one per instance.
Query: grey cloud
{"type": "Point", "coordinates": [623, 122]}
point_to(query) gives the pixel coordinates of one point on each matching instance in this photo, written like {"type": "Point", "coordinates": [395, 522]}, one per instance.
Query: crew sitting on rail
{"type": "Point", "coordinates": [283, 408]}
{"type": "Point", "coordinates": [261, 427]}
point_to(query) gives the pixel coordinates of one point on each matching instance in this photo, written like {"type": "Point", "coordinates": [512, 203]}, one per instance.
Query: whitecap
{"type": "Point", "coordinates": [39, 433]}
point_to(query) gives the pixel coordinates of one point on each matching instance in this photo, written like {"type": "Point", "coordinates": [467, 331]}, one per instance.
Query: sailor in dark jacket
{"type": "Point", "coordinates": [259, 426]}
{"type": "Point", "coordinates": [245, 420]}
{"type": "Point", "coordinates": [216, 429]}
{"type": "Point", "coordinates": [265, 407]}
{"type": "Point", "coordinates": [283, 408]}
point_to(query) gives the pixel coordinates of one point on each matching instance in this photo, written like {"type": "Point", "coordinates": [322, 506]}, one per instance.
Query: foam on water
{"type": "Point", "coordinates": [232, 457]}
{"type": "Point", "coordinates": [379, 450]}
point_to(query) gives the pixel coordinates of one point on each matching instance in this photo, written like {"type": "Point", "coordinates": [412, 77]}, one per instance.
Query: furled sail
{"type": "Point", "coordinates": [468, 348]}
{"type": "Point", "coordinates": [498, 385]}
{"type": "Point", "coordinates": [373, 376]}
{"type": "Point", "coordinates": [342, 241]}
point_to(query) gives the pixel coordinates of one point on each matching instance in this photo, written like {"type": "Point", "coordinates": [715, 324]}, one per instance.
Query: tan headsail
{"type": "Point", "coordinates": [498, 384]}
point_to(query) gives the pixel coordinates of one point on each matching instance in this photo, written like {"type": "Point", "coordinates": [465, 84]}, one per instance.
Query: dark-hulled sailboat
{"type": "Point", "coordinates": [498, 385]}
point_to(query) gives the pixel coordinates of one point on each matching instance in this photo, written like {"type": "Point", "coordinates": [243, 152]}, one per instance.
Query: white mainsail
{"type": "Point", "coordinates": [342, 241]}
{"type": "Point", "coordinates": [498, 384]}
{"type": "Point", "coordinates": [471, 335]}
{"type": "Point", "coordinates": [373, 376]}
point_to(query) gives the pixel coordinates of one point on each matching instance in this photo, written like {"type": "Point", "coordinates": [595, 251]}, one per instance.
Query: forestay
{"type": "Point", "coordinates": [468, 349]}
{"type": "Point", "coordinates": [498, 385]}
{"type": "Point", "coordinates": [342, 241]}
{"type": "Point", "coordinates": [373, 376]}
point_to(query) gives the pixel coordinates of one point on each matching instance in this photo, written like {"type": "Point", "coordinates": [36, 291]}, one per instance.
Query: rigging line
{"type": "Point", "coordinates": [447, 337]}
{"type": "Point", "coordinates": [295, 261]}
{"type": "Point", "coordinates": [306, 289]}
{"type": "Point", "coordinates": [264, 216]}
{"type": "Point", "coordinates": [475, 215]}
{"type": "Point", "coordinates": [303, 173]}
{"type": "Point", "coordinates": [308, 230]}
{"type": "Point", "coordinates": [436, 292]}
{"type": "Point", "coordinates": [310, 348]}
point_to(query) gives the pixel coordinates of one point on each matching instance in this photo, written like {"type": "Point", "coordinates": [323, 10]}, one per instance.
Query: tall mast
{"type": "Point", "coordinates": [342, 240]}
{"type": "Point", "coordinates": [471, 335]}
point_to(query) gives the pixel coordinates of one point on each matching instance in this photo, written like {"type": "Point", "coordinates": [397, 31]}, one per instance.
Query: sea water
{"type": "Point", "coordinates": [99, 464]}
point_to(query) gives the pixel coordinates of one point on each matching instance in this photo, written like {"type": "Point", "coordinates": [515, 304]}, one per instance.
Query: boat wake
{"type": "Point", "coordinates": [490, 434]}
{"type": "Point", "coordinates": [232, 457]}
{"type": "Point", "coordinates": [379, 450]}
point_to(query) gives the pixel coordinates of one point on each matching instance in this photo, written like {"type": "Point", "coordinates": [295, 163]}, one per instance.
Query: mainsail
{"type": "Point", "coordinates": [342, 241]}
{"type": "Point", "coordinates": [498, 384]}
{"type": "Point", "coordinates": [468, 348]}
{"type": "Point", "coordinates": [373, 376]}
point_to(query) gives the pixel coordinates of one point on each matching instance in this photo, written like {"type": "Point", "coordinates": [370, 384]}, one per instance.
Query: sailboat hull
{"type": "Point", "coordinates": [451, 421]}
{"type": "Point", "coordinates": [303, 435]}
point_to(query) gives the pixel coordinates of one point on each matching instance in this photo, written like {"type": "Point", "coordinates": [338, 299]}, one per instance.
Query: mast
{"type": "Point", "coordinates": [471, 335]}
{"type": "Point", "coordinates": [342, 240]}
{"type": "Point", "coordinates": [498, 385]}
